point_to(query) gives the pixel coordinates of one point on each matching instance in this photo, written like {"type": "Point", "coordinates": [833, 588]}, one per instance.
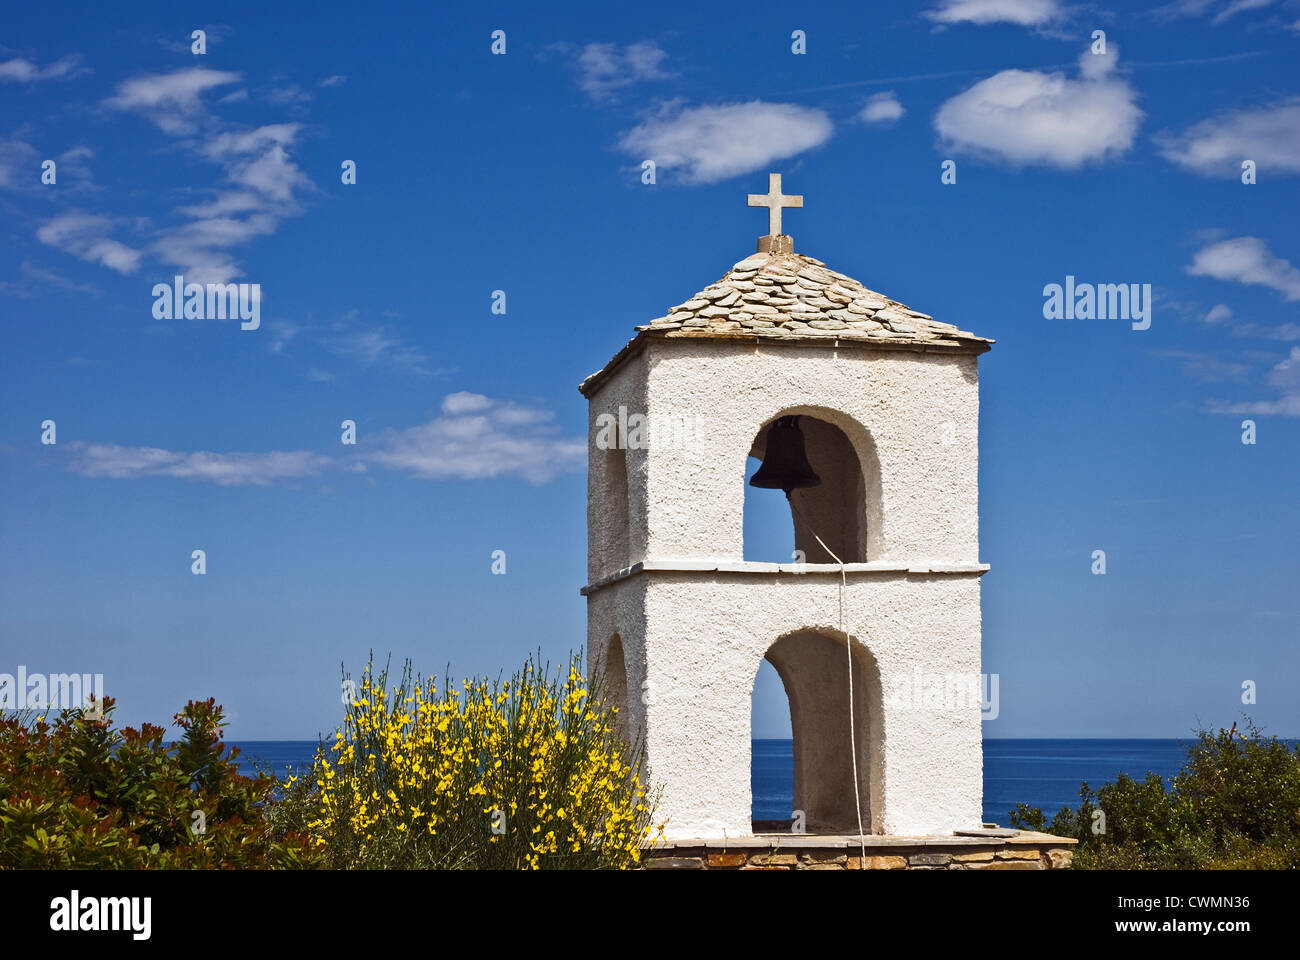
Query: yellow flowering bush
{"type": "Point", "coordinates": [527, 773]}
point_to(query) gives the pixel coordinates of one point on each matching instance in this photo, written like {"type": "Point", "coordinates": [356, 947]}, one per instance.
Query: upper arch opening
{"type": "Point", "coordinates": [844, 509]}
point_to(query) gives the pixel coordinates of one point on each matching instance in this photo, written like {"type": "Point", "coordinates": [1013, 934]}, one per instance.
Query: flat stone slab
{"type": "Point", "coordinates": [762, 568]}
{"type": "Point", "coordinates": [983, 849]}
{"type": "Point", "coordinates": [961, 838]}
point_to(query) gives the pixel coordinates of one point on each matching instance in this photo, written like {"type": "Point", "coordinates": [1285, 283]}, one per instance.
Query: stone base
{"type": "Point", "coordinates": [781, 243]}
{"type": "Point", "coordinates": [987, 849]}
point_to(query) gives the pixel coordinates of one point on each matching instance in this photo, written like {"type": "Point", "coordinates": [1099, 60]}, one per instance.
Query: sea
{"type": "Point", "coordinates": [1042, 773]}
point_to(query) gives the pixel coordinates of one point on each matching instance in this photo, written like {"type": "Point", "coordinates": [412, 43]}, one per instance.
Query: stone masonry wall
{"type": "Point", "coordinates": [1017, 850]}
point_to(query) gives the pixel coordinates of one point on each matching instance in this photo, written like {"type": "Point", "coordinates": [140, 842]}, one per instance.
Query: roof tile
{"type": "Point", "coordinates": [805, 298]}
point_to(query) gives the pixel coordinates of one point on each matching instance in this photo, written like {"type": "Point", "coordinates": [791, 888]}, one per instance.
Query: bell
{"type": "Point", "coordinates": [785, 464]}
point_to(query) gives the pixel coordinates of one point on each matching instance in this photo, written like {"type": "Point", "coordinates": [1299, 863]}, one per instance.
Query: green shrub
{"type": "Point", "coordinates": [1234, 805]}
{"type": "Point", "coordinates": [80, 794]}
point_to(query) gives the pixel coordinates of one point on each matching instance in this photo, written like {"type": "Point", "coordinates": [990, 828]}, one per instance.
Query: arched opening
{"type": "Point", "coordinates": [843, 509]}
{"type": "Point", "coordinates": [614, 672]}
{"type": "Point", "coordinates": [614, 526]}
{"type": "Point", "coordinates": [771, 770]}
{"type": "Point", "coordinates": [813, 669]}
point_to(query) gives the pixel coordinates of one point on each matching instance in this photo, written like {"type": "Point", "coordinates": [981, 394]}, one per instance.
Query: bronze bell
{"type": "Point", "coordinates": [785, 464]}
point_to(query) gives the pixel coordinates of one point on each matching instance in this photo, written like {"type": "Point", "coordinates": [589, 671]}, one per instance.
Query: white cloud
{"type": "Point", "coordinates": [19, 164]}
{"type": "Point", "coordinates": [262, 182]}
{"type": "Point", "coordinates": [282, 333]}
{"type": "Point", "coordinates": [1221, 312]}
{"type": "Point", "coordinates": [74, 169]}
{"type": "Point", "coordinates": [37, 280]}
{"type": "Point", "coordinates": [713, 143]}
{"type": "Point", "coordinates": [348, 338]}
{"type": "Point", "coordinates": [1285, 379]}
{"type": "Point", "coordinates": [1222, 9]}
{"type": "Point", "coordinates": [231, 201]}
{"type": "Point", "coordinates": [1247, 260]}
{"type": "Point", "coordinates": [1215, 147]}
{"type": "Point", "coordinates": [1029, 118]}
{"type": "Point", "coordinates": [52, 279]}
{"type": "Point", "coordinates": [1239, 6]}
{"type": "Point", "coordinates": [272, 174]}
{"type": "Point", "coordinates": [1218, 313]}
{"type": "Point", "coordinates": [1025, 13]}
{"type": "Point", "coordinates": [265, 184]}
{"type": "Point", "coordinates": [1208, 367]}
{"type": "Point", "coordinates": [20, 167]}
{"type": "Point", "coordinates": [1183, 8]}
{"type": "Point", "coordinates": [76, 154]}
{"type": "Point", "coordinates": [85, 236]}
{"type": "Point", "coordinates": [24, 71]}
{"type": "Point", "coordinates": [259, 159]}
{"type": "Point", "coordinates": [605, 67]}
{"type": "Point", "coordinates": [465, 402]}
{"type": "Point", "coordinates": [290, 95]}
{"type": "Point", "coordinates": [375, 346]}
{"type": "Point", "coordinates": [476, 437]}
{"type": "Point", "coordinates": [200, 248]}
{"type": "Point", "coordinates": [1288, 332]}
{"type": "Point", "coordinates": [173, 100]}
{"type": "Point", "coordinates": [238, 143]}
{"type": "Point", "coordinates": [334, 80]}
{"type": "Point", "coordinates": [882, 108]}
{"type": "Point", "coordinates": [473, 437]}
{"type": "Point", "coordinates": [224, 469]}
{"type": "Point", "coordinates": [1286, 375]}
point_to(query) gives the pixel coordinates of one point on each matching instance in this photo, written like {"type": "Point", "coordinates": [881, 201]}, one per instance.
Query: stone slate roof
{"type": "Point", "coordinates": [786, 295]}
{"type": "Point", "coordinates": [789, 297]}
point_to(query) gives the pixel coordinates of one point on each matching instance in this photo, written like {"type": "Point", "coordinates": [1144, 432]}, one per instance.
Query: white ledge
{"type": "Point", "coordinates": [796, 569]}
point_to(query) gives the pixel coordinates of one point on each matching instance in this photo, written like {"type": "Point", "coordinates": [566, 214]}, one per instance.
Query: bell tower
{"type": "Point", "coordinates": [865, 413]}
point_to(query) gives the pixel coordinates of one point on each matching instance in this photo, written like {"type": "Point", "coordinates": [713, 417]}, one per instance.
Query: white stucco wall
{"type": "Point", "coordinates": [611, 503]}
{"type": "Point", "coordinates": [920, 410]}
{"type": "Point", "coordinates": [697, 637]}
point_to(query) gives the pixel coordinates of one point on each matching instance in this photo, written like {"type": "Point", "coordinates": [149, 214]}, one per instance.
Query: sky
{"type": "Point", "coordinates": [522, 172]}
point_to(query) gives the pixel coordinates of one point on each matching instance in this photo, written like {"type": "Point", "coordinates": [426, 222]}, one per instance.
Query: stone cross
{"type": "Point", "coordinates": [774, 200]}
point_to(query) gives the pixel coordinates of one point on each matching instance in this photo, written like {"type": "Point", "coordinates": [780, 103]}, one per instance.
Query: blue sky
{"type": "Point", "coordinates": [522, 172]}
